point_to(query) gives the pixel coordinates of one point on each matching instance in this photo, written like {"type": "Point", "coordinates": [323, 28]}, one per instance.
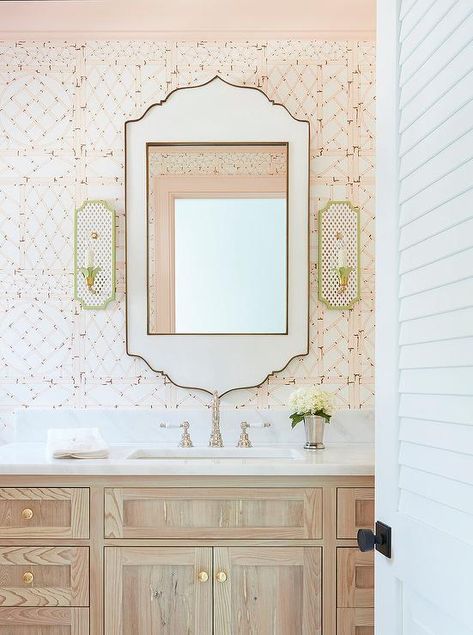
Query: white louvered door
{"type": "Point", "coordinates": [424, 392]}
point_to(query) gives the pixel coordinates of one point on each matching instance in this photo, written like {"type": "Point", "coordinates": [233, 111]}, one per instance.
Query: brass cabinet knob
{"type": "Point", "coordinates": [203, 576]}
{"type": "Point", "coordinates": [27, 514]}
{"type": "Point", "coordinates": [221, 576]}
{"type": "Point", "coordinates": [28, 577]}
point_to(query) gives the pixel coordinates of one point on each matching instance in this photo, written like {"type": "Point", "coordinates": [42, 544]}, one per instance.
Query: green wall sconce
{"type": "Point", "coordinates": [339, 255]}
{"type": "Point", "coordinates": [94, 254]}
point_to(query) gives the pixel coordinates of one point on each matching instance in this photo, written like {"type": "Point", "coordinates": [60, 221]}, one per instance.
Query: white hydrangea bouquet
{"type": "Point", "coordinates": [310, 402]}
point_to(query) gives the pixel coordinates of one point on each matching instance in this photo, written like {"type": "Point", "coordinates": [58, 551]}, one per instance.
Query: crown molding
{"type": "Point", "coordinates": [225, 35]}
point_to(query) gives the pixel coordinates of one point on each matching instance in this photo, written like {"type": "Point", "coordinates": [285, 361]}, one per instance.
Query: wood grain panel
{"type": "Point", "coordinates": [355, 621]}
{"type": "Point", "coordinates": [44, 512]}
{"type": "Point", "coordinates": [44, 621]}
{"type": "Point", "coordinates": [213, 513]}
{"type": "Point", "coordinates": [60, 576]}
{"type": "Point", "coordinates": [355, 578]}
{"type": "Point", "coordinates": [157, 590]}
{"type": "Point", "coordinates": [273, 590]}
{"type": "Point", "coordinates": [355, 510]}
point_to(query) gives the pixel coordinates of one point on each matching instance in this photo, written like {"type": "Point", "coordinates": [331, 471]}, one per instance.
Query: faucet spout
{"type": "Point", "coordinates": [216, 440]}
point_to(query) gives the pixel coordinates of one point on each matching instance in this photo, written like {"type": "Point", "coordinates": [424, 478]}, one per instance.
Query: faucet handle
{"type": "Point", "coordinates": [186, 441]}
{"type": "Point", "coordinates": [244, 440]}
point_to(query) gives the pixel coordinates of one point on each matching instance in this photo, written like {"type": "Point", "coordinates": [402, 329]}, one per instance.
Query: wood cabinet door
{"type": "Point", "coordinates": [44, 621]}
{"type": "Point", "coordinates": [267, 590]}
{"type": "Point", "coordinates": [158, 590]}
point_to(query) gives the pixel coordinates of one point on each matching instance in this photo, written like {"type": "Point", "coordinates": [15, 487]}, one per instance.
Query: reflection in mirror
{"type": "Point", "coordinates": [217, 238]}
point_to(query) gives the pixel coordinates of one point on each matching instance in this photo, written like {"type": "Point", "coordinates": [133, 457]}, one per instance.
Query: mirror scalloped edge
{"type": "Point", "coordinates": [216, 362]}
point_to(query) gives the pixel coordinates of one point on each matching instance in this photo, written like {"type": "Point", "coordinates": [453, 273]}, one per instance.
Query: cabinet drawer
{"type": "Point", "coordinates": [39, 512]}
{"type": "Point", "coordinates": [355, 621]}
{"type": "Point", "coordinates": [44, 576]}
{"type": "Point", "coordinates": [213, 513]}
{"type": "Point", "coordinates": [355, 578]}
{"type": "Point", "coordinates": [44, 621]}
{"type": "Point", "coordinates": [355, 510]}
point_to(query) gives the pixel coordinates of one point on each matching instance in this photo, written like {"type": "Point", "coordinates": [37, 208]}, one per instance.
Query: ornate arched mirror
{"type": "Point", "coordinates": [217, 186]}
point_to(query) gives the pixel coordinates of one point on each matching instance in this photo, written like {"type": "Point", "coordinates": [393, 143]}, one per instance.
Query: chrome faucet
{"type": "Point", "coordinates": [216, 440]}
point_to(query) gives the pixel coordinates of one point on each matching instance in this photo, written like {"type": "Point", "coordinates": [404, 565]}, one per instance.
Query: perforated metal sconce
{"type": "Point", "coordinates": [339, 255]}
{"type": "Point", "coordinates": [94, 254]}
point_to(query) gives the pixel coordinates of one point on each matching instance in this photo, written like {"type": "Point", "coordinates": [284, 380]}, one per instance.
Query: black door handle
{"type": "Point", "coordinates": [381, 540]}
{"type": "Point", "coordinates": [366, 539]}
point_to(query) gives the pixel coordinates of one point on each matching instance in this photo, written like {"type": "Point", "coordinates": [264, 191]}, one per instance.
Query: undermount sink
{"type": "Point", "coordinates": [215, 453]}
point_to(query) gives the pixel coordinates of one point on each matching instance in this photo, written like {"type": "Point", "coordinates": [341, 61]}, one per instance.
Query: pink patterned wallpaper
{"type": "Point", "coordinates": [62, 109]}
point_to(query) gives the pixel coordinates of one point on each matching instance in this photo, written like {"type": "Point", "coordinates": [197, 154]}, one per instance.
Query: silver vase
{"type": "Point", "coordinates": [314, 432]}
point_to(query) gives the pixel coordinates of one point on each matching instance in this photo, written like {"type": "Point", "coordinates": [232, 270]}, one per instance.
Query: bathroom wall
{"type": "Point", "coordinates": [62, 109]}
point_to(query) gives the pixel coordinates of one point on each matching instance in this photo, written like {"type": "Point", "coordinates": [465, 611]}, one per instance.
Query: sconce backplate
{"type": "Point", "coordinates": [339, 223]}
{"type": "Point", "coordinates": [94, 237]}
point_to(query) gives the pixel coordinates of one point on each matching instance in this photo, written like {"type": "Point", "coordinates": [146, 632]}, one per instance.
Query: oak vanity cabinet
{"type": "Point", "coordinates": [205, 590]}
{"type": "Point", "coordinates": [270, 560]}
{"type": "Point", "coordinates": [158, 555]}
{"type": "Point", "coordinates": [214, 589]}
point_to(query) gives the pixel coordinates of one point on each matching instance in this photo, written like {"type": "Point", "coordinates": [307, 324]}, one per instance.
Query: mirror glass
{"type": "Point", "coordinates": [217, 240]}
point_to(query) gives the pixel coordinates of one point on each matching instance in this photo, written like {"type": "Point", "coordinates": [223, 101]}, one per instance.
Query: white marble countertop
{"type": "Point", "coordinates": [338, 459]}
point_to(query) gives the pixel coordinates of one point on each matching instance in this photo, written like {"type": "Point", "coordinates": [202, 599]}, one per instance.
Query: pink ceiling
{"type": "Point", "coordinates": [189, 18]}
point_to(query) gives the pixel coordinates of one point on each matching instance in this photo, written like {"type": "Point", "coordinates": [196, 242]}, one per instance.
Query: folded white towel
{"type": "Point", "coordinates": [76, 443]}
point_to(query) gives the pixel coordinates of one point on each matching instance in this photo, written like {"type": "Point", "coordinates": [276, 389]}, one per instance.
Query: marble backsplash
{"type": "Point", "coordinates": [131, 426]}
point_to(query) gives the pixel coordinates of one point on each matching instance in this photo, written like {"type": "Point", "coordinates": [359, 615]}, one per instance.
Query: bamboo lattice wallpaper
{"type": "Point", "coordinates": [62, 109]}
